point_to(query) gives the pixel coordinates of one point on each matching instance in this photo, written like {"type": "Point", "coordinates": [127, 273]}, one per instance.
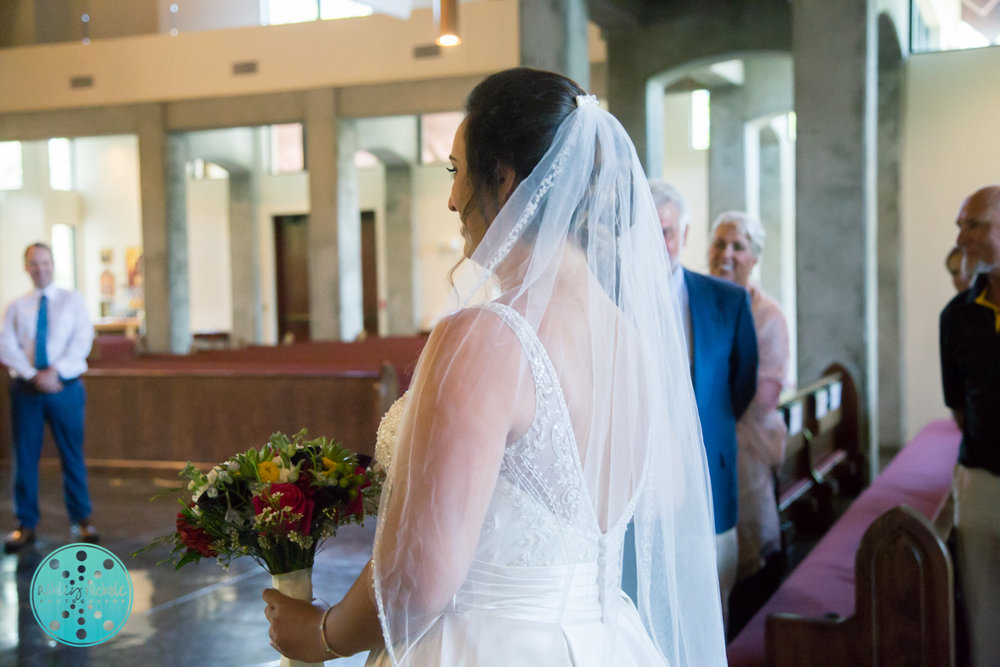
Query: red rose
{"type": "Point", "coordinates": [304, 482]}
{"type": "Point", "coordinates": [194, 538]}
{"type": "Point", "coordinates": [292, 498]}
{"type": "Point", "coordinates": [357, 506]}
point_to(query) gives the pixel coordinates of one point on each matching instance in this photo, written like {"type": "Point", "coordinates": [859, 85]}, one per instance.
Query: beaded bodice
{"type": "Point", "coordinates": [540, 513]}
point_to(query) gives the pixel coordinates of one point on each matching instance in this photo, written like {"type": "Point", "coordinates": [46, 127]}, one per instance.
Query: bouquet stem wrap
{"type": "Point", "coordinates": [295, 584]}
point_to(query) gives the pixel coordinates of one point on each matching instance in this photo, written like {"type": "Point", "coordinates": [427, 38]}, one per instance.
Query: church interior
{"type": "Point", "coordinates": [251, 195]}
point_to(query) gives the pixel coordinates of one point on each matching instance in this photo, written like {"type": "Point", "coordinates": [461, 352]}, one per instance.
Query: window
{"type": "Point", "coordinates": [700, 125]}
{"type": "Point", "coordinates": [11, 170]}
{"type": "Point", "coordinates": [60, 164]}
{"type": "Point", "coordinates": [947, 25]}
{"type": "Point", "coordinates": [299, 11]}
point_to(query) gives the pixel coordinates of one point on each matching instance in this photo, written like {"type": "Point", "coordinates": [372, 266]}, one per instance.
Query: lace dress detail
{"type": "Point", "coordinates": [540, 513]}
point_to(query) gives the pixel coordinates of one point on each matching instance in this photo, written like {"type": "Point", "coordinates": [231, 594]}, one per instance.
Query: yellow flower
{"type": "Point", "coordinates": [329, 464]}
{"type": "Point", "coordinates": [268, 471]}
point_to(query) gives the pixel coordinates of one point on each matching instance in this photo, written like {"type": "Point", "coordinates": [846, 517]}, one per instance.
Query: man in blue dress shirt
{"type": "Point", "coordinates": [44, 343]}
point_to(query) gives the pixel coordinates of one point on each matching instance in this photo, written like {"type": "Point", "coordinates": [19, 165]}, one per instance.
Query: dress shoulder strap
{"type": "Point", "coordinates": [526, 335]}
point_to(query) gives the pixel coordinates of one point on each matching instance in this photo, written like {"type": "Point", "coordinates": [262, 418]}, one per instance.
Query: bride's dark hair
{"type": "Point", "coordinates": [511, 119]}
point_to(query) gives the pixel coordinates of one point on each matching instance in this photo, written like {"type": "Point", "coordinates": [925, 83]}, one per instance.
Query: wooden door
{"type": "Point", "coordinates": [369, 279]}
{"type": "Point", "coordinates": [291, 267]}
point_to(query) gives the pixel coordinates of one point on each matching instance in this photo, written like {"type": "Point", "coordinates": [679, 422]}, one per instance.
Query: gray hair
{"type": "Point", "coordinates": [664, 193]}
{"type": "Point", "coordinates": [747, 224]}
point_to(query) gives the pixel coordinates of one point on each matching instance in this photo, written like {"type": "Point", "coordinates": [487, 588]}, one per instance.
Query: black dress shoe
{"type": "Point", "coordinates": [85, 532]}
{"type": "Point", "coordinates": [19, 539]}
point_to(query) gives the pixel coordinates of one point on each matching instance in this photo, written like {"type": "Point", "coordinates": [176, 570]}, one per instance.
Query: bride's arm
{"type": "Point", "coordinates": [351, 626]}
{"type": "Point", "coordinates": [463, 407]}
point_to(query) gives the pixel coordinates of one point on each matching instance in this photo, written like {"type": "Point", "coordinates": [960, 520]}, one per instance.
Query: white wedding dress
{"type": "Point", "coordinates": [537, 591]}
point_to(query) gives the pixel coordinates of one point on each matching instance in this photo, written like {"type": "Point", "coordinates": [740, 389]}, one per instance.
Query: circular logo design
{"type": "Point", "coordinates": [81, 595]}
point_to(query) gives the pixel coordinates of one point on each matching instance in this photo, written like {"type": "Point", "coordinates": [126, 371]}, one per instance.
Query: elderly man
{"type": "Point", "coordinates": [44, 342]}
{"type": "Point", "coordinates": [970, 371]}
{"type": "Point", "coordinates": [722, 345]}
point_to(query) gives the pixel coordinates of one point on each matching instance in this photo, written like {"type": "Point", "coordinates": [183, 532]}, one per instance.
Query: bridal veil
{"type": "Point", "coordinates": [576, 250]}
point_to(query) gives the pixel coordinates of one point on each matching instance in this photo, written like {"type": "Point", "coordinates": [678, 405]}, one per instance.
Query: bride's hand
{"type": "Point", "coordinates": [295, 631]}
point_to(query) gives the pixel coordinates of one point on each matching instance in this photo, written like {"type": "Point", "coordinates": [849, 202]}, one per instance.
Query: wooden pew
{"type": "Point", "coordinates": [822, 457]}
{"type": "Point", "coordinates": [165, 411]}
{"type": "Point", "coordinates": [208, 415]}
{"type": "Point", "coordinates": [870, 569]}
{"type": "Point", "coordinates": [904, 605]}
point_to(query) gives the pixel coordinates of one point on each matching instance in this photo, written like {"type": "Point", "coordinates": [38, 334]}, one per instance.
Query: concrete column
{"type": "Point", "coordinates": [770, 213]}
{"type": "Point", "coordinates": [399, 250]}
{"type": "Point", "coordinates": [352, 320]}
{"type": "Point", "coordinates": [891, 430]}
{"type": "Point", "coordinates": [244, 258]}
{"type": "Point", "coordinates": [554, 37]}
{"type": "Point", "coordinates": [321, 138]}
{"type": "Point", "coordinates": [155, 168]}
{"type": "Point", "coordinates": [835, 207]}
{"type": "Point", "coordinates": [727, 163]}
{"type": "Point", "coordinates": [174, 238]}
{"type": "Point", "coordinates": [650, 52]}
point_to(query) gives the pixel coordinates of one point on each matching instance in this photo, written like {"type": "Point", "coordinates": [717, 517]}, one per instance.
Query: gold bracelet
{"type": "Point", "coordinates": [322, 633]}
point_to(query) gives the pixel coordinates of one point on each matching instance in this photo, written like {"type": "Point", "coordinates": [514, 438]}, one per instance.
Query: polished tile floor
{"type": "Point", "coordinates": [200, 615]}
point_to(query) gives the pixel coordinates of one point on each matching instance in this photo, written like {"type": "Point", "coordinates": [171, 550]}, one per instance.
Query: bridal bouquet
{"type": "Point", "coordinates": [274, 504]}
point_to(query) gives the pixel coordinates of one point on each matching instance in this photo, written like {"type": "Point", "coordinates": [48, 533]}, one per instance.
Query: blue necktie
{"type": "Point", "coordinates": [41, 334]}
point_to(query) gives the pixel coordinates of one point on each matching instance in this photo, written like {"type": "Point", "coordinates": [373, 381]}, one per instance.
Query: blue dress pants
{"type": "Point", "coordinates": [63, 411]}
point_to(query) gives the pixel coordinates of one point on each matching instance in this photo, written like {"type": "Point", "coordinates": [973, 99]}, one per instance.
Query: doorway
{"type": "Point", "coordinates": [291, 268]}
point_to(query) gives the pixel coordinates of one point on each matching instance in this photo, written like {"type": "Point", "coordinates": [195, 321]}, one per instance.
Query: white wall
{"type": "Point", "coordinates": [107, 179]}
{"type": "Point", "coordinates": [209, 257]}
{"type": "Point", "coordinates": [22, 222]}
{"type": "Point", "coordinates": [950, 148]}
{"type": "Point", "coordinates": [437, 240]}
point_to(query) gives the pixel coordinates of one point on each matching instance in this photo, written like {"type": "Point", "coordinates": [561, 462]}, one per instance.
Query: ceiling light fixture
{"type": "Point", "coordinates": [446, 21]}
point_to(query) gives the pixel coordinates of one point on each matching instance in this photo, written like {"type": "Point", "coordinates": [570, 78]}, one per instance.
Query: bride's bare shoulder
{"type": "Point", "coordinates": [474, 336]}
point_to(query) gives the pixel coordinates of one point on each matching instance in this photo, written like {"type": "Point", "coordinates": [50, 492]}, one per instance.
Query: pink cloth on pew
{"type": "Point", "coordinates": [919, 476]}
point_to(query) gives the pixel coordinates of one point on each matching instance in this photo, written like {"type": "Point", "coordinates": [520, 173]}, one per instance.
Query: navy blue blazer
{"type": "Point", "coordinates": [724, 374]}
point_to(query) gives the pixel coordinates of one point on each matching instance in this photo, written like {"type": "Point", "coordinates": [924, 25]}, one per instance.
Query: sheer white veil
{"type": "Point", "coordinates": [577, 251]}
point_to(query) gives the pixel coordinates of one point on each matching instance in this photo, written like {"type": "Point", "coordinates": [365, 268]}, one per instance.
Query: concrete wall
{"type": "Point", "coordinates": [950, 144]}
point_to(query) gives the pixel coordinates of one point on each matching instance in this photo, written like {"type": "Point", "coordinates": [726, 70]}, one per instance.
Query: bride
{"type": "Point", "coordinates": [552, 407]}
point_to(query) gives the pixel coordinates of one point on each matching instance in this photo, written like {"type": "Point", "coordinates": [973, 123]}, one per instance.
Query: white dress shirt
{"type": "Point", "coordinates": [70, 333]}
{"type": "Point", "coordinates": [681, 294]}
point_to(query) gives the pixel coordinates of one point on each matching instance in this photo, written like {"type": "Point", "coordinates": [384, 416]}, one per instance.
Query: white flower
{"type": "Point", "coordinates": [197, 494]}
{"type": "Point", "coordinates": [225, 477]}
{"type": "Point", "coordinates": [212, 492]}
{"type": "Point", "coordinates": [234, 466]}
{"type": "Point", "coordinates": [213, 475]}
{"type": "Point", "coordinates": [191, 485]}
